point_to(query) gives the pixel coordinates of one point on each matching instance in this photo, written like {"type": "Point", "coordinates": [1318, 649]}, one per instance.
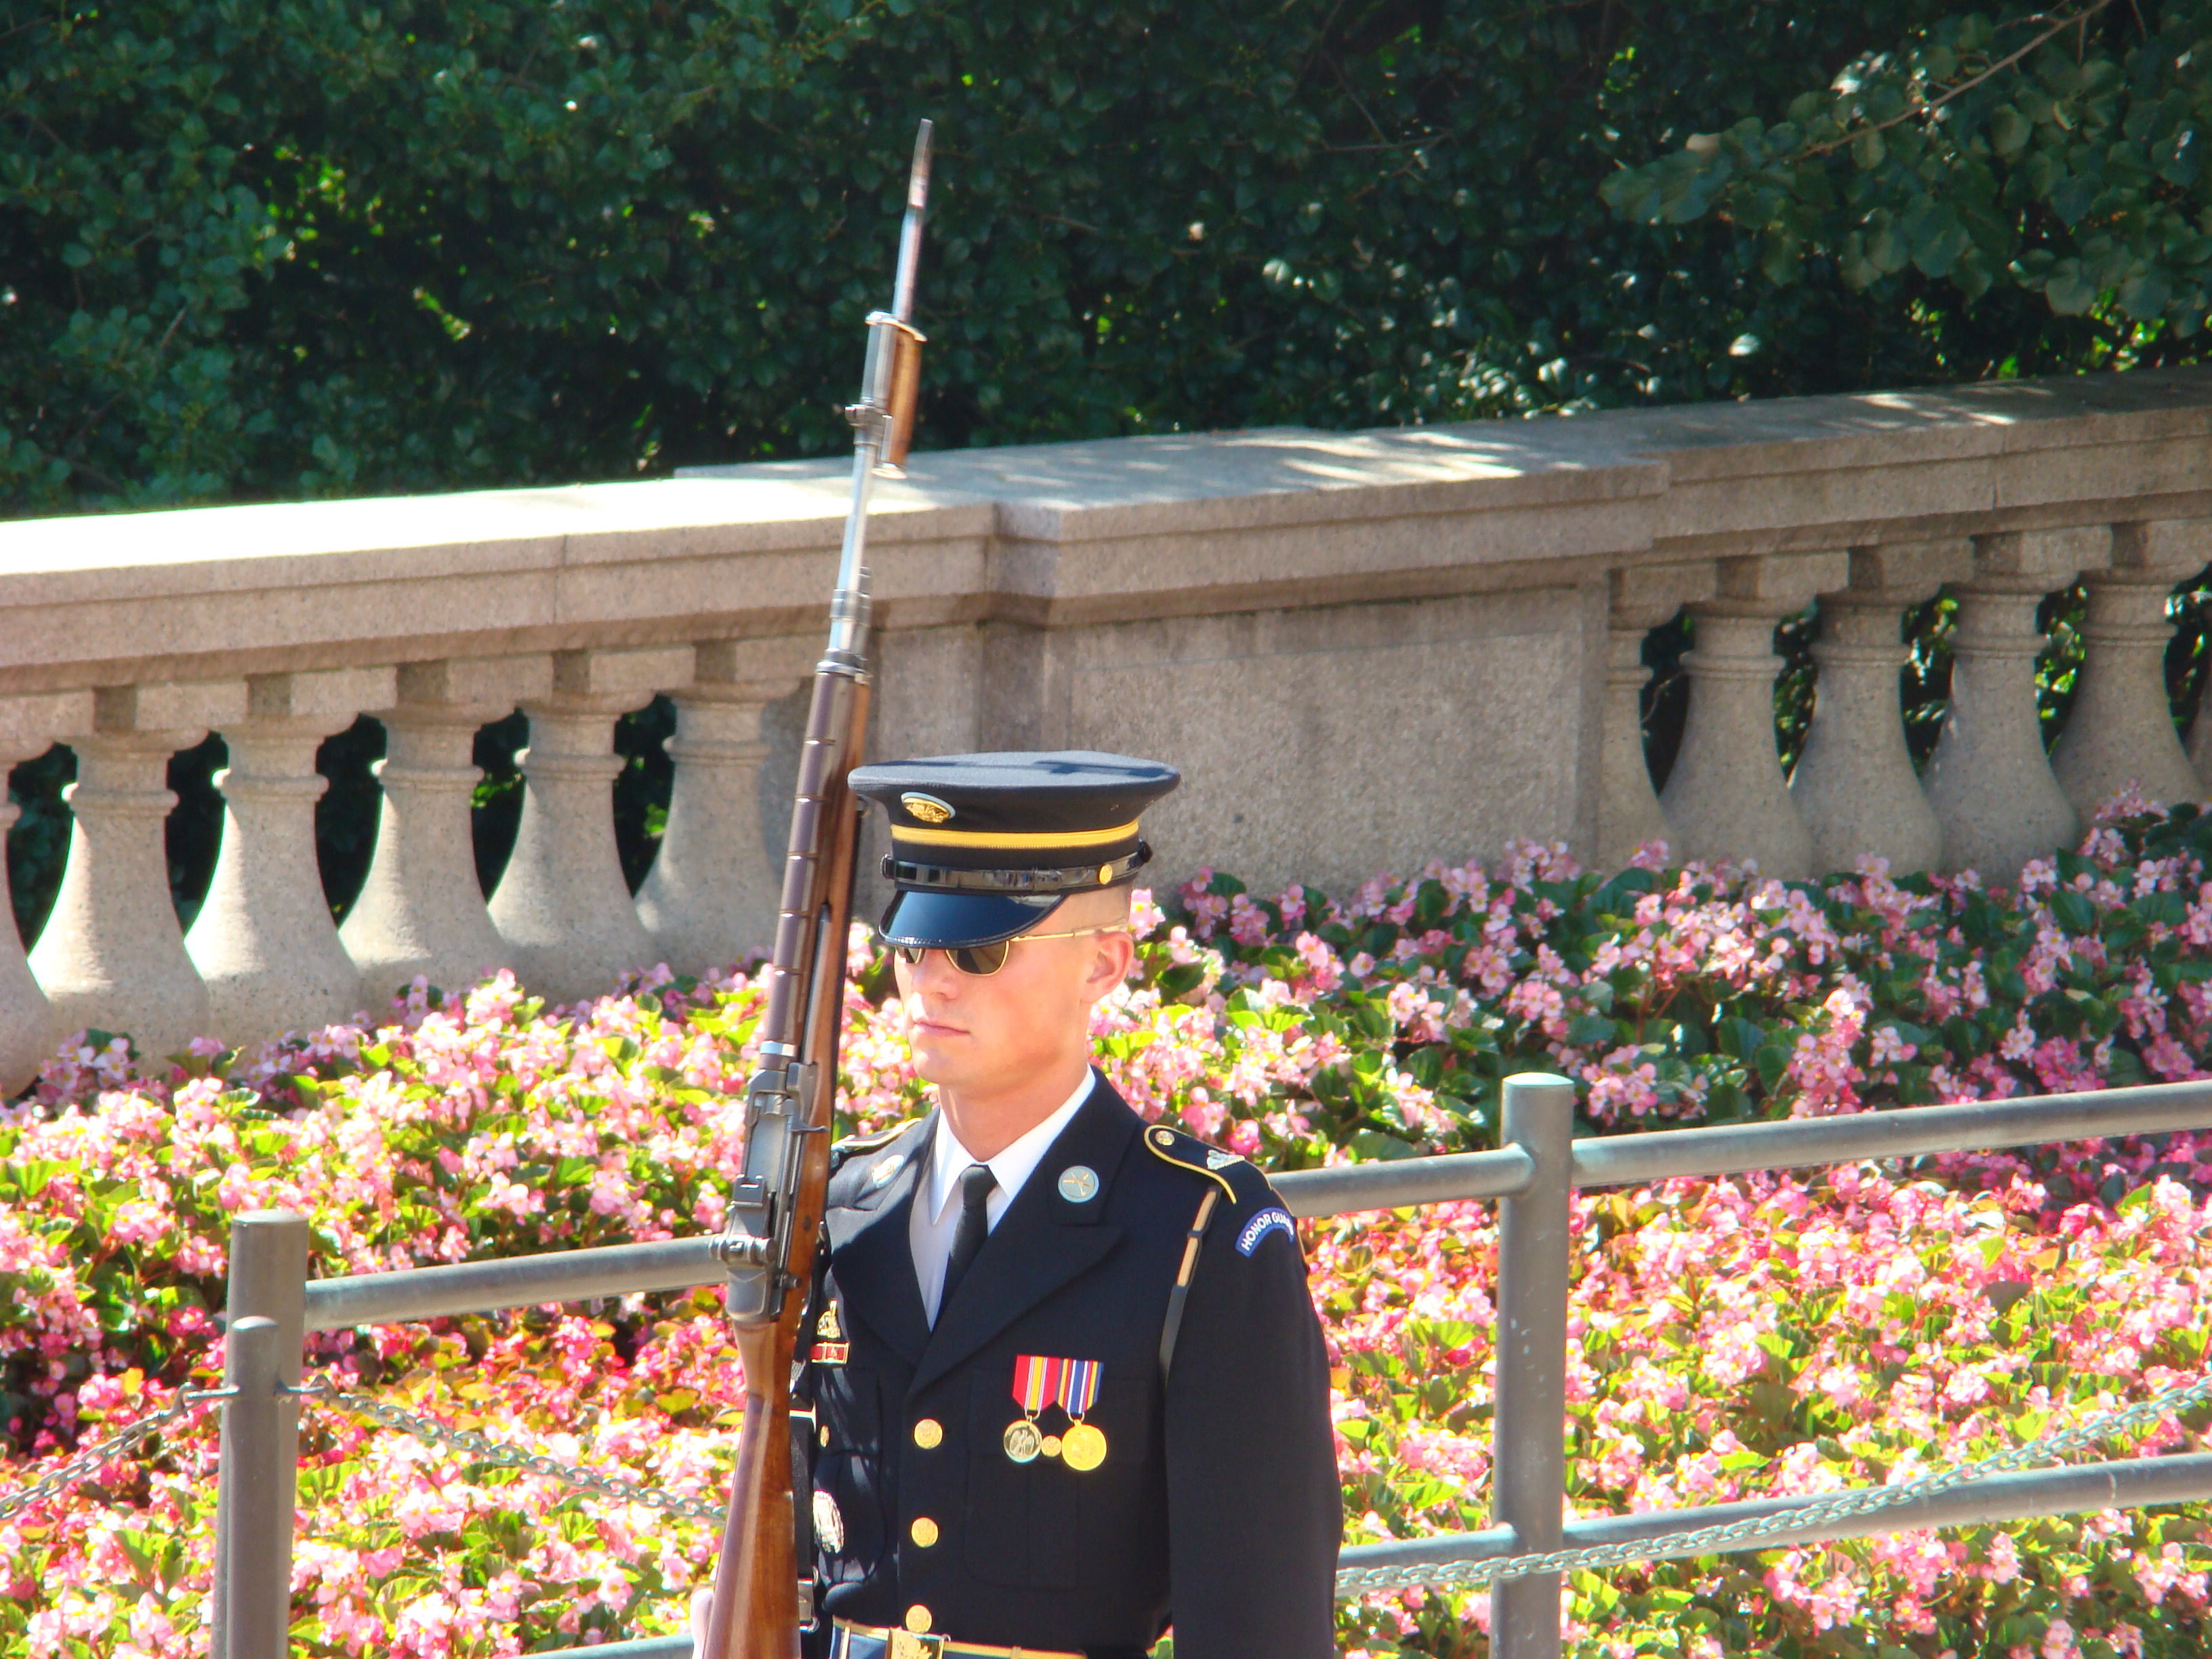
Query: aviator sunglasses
{"type": "Point", "coordinates": [982, 961]}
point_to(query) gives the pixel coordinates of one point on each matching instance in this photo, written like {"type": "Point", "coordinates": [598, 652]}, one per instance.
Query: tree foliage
{"type": "Point", "coordinates": [2057, 152]}
{"type": "Point", "coordinates": [273, 248]}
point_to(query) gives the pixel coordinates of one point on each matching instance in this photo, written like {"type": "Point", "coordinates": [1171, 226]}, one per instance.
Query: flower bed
{"type": "Point", "coordinates": [1737, 1337]}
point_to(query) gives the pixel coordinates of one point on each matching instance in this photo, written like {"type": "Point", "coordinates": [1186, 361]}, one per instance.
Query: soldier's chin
{"type": "Point", "coordinates": [938, 1059]}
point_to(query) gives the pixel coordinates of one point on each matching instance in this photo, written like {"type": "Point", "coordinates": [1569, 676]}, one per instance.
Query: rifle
{"type": "Point", "coordinates": [775, 1220]}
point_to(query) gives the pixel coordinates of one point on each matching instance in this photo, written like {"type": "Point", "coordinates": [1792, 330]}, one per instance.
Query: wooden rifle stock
{"type": "Point", "coordinates": [776, 1205]}
{"type": "Point", "coordinates": [755, 1610]}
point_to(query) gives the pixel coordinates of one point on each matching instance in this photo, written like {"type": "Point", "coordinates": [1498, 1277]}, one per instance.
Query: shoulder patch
{"type": "Point", "coordinates": [1189, 1152]}
{"type": "Point", "coordinates": [1269, 1220]}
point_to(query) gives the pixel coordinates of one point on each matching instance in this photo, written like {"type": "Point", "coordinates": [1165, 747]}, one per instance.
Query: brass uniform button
{"type": "Point", "coordinates": [917, 1619]}
{"type": "Point", "coordinates": [923, 1531]}
{"type": "Point", "coordinates": [929, 1434]}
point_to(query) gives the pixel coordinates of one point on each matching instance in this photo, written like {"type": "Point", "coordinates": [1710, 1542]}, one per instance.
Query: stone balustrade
{"type": "Point", "coordinates": [1365, 650]}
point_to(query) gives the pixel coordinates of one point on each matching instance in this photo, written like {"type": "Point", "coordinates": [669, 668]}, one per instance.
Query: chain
{"type": "Point", "coordinates": [1352, 1582]}
{"type": "Point", "coordinates": [89, 1461]}
{"type": "Point", "coordinates": [484, 1449]}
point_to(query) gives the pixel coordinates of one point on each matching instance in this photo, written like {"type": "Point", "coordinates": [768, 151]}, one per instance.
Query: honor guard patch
{"type": "Point", "coordinates": [1268, 1221]}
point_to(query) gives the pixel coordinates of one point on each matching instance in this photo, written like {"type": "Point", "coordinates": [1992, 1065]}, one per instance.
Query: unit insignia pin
{"type": "Point", "coordinates": [1221, 1160]}
{"type": "Point", "coordinates": [883, 1172]}
{"type": "Point", "coordinates": [828, 1524]}
{"type": "Point", "coordinates": [830, 1348]}
{"type": "Point", "coordinates": [1078, 1183]}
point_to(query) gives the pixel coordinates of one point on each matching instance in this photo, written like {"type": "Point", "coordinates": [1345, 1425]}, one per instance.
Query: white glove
{"type": "Point", "coordinates": [701, 1601]}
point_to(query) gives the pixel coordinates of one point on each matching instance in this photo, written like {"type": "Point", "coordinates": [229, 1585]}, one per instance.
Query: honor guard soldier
{"type": "Point", "coordinates": [1068, 1386]}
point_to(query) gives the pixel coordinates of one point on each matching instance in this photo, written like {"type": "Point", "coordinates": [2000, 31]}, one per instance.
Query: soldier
{"type": "Point", "coordinates": [1068, 1385]}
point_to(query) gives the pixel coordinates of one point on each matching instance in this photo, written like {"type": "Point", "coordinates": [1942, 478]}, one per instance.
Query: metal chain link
{"type": "Point", "coordinates": [89, 1461]}
{"type": "Point", "coordinates": [1351, 1582]}
{"type": "Point", "coordinates": [1749, 1534]}
{"type": "Point", "coordinates": [484, 1449]}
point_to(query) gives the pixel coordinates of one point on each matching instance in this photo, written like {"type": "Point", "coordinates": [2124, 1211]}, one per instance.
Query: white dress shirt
{"type": "Point", "coordinates": [936, 1210]}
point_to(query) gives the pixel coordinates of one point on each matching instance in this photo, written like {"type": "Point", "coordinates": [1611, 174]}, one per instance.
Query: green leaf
{"type": "Point", "coordinates": [2009, 130]}
{"type": "Point", "coordinates": [1771, 1061]}
{"type": "Point", "coordinates": [2147, 296]}
{"type": "Point", "coordinates": [2074, 911]}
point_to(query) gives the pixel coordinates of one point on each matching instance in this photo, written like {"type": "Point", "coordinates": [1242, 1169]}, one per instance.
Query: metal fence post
{"type": "Point", "coordinates": [266, 1318]}
{"type": "Point", "coordinates": [1529, 1459]}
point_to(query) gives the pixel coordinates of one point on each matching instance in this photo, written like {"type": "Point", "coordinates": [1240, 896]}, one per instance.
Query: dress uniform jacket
{"type": "Point", "coordinates": [1216, 1507]}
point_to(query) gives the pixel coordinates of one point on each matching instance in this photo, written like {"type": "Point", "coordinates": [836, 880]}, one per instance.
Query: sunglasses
{"type": "Point", "coordinates": [982, 961]}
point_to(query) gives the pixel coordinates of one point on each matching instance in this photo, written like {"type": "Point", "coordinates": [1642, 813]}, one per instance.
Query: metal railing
{"type": "Point", "coordinates": [1532, 1173]}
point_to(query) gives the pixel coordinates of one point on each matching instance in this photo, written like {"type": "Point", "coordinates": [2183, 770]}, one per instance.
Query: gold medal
{"type": "Point", "coordinates": [1082, 1448]}
{"type": "Point", "coordinates": [1022, 1441]}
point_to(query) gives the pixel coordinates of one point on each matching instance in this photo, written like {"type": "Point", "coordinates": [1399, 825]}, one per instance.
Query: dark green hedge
{"type": "Point", "coordinates": [268, 248]}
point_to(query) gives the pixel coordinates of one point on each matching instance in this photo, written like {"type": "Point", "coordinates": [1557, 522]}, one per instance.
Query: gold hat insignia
{"type": "Point", "coordinates": [927, 808]}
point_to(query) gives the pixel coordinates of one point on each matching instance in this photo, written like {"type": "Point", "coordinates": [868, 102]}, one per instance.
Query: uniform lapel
{"type": "Point", "coordinates": [869, 1251]}
{"type": "Point", "coordinates": [1043, 1240]}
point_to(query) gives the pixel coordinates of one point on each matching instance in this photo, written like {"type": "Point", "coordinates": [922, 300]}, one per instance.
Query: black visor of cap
{"type": "Point", "coordinates": [945, 921]}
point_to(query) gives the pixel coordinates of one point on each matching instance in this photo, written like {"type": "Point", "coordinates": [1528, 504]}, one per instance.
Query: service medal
{"type": "Point", "coordinates": [1022, 1441]}
{"type": "Point", "coordinates": [1072, 1385]}
{"type": "Point", "coordinates": [1082, 1448]}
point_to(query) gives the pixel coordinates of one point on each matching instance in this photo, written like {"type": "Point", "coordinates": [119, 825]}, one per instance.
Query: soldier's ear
{"type": "Point", "coordinates": [1112, 957]}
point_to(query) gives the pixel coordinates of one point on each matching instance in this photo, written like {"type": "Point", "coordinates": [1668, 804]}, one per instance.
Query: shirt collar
{"type": "Point", "coordinates": [1013, 1165]}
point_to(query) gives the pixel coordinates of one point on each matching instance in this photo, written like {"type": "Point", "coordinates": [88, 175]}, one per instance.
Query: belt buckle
{"type": "Point", "coordinates": [905, 1645]}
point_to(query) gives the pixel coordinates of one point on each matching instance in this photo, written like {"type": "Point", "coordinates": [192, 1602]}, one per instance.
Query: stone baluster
{"type": "Point", "coordinates": [1628, 811]}
{"type": "Point", "coordinates": [2120, 733]}
{"type": "Point", "coordinates": [264, 941]}
{"type": "Point", "coordinates": [711, 893]}
{"type": "Point", "coordinates": [421, 909]}
{"type": "Point", "coordinates": [111, 955]}
{"type": "Point", "coordinates": [563, 906]}
{"type": "Point", "coordinates": [29, 726]}
{"type": "Point", "coordinates": [1727, 797]}
{"type": "Point", "coordinates": [1991, 782]}
{"type": "Point", "coordinates": [1854, 783]}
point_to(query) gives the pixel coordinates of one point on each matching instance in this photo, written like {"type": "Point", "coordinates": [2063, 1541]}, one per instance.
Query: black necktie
{"type": "Point", "coordinates": [976, 1184]}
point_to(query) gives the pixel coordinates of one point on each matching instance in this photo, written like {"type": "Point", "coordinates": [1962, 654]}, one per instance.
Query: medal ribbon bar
{"type": "Point", "coordinates": [1078, 1385]}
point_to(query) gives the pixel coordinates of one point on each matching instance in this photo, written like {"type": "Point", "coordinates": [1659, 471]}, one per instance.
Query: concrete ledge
{"type": "Point", "coordinates": [1084, 533]}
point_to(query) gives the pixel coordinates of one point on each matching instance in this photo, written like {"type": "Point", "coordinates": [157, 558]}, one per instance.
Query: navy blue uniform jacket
{"type": "Point", "coordinates": [1217, 1509]}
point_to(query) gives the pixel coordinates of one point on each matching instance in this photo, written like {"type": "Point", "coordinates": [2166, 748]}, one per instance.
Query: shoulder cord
{"type": "Point", "coordinates": [1181, 1294]}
